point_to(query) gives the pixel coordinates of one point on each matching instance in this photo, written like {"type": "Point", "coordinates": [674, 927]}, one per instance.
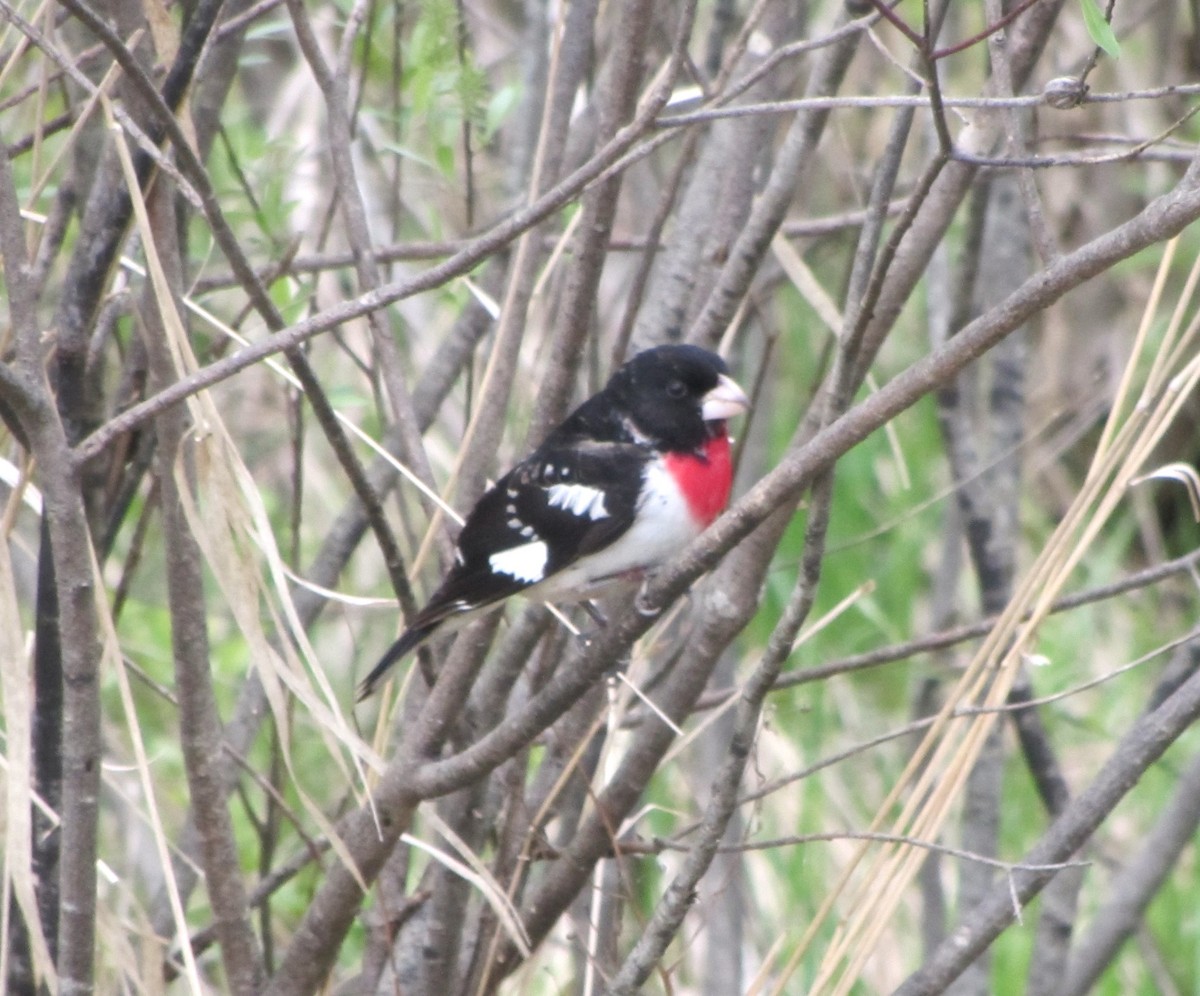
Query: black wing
{"type": "Point", "coordinates": [568, 499]}
{"type": "Point", "coordinates": [560, 504]}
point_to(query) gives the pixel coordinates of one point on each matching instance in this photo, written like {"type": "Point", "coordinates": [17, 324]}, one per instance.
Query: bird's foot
{"type": "Point", "coordinates": [644, 607]}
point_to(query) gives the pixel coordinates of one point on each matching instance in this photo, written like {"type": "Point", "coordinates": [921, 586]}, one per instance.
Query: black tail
{"type": "Point", "coordinates": [409, 640]}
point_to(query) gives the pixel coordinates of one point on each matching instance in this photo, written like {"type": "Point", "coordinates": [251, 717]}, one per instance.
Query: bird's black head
{"type": "Point", "coordinates": [674, 395]}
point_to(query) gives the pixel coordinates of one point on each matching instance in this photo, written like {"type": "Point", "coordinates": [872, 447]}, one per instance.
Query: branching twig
{"type": "Point", "coordinates": [1146, 741]}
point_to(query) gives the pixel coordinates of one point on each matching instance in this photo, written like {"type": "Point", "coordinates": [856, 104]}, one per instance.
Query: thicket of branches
{"type": "Point", "coordinates": [286, 284]}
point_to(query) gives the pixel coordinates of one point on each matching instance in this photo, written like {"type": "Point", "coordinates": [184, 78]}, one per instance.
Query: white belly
{"type": "Point", "coordinates": [662, 528]}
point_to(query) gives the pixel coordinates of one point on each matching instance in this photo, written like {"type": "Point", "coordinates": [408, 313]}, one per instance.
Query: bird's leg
{"type": "Point", "coordinates": [593, 610]}
{"type": "Point", "coordinates": [601, 621]}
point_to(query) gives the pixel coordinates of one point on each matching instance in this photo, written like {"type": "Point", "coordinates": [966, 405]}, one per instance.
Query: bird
{"type": "Point", "coordinates": [626, 480]}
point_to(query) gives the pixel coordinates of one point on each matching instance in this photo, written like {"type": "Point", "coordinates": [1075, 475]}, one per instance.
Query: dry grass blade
{"type": "Point", "coordinates": [933, 780]}
{"type": "Point", "coordinates": [234, 511]}
{"type": "Point", "coordinates": [115, 664]}
{"type": "Point", "coordinates": [556, 254]}
{"type": "Point", "coordinates": [570, 768]}
{"type": "Point", "coordinates": [827, 619]}
{"type": "Point", "coordinates": [606, 769]}
{"type": "Point", "coordinates": [111, 654]}
{"type": "Point", "coordinates": [39, 803]}
{"type": "Point", "coordinates": [1104, 490]}
{"type": "Point", "coordinates": [293, 381]}
{"type": "Point", "coordinates": [650, 704]}
{"type": "Point", "coordinates": [1130, 371]}
{"type": "Point", "coordinates": [102, 92]}
{"type": "Point", "coordinates": [1185, 474]}
{"type": "Point", "coordinates": [476, 872]}
{"type": "Point", "coordinates": [355, 601]}
{"type": "Point", "coordinates": [731, 701]}
{"type": "Point", "coordinates": [228, 532]}
{"type": "Point", "coordinates": [18, 480]}
{"type": "Point", "coordinates": [807, 285]}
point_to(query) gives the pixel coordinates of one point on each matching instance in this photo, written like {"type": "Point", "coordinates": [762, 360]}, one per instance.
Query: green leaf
{"type": "Point", "coordinates": [503, 102]}
{"type": "Point", "coordinates": [1100, 30]}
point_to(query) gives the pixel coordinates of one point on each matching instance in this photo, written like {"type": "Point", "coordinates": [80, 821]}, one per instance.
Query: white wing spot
{"type": "Point", "coordinates": [525, 563]}
{"type": "Point", "coordinates": [578, 499]}
{"type": "Point", "coordinates": [527, 531]}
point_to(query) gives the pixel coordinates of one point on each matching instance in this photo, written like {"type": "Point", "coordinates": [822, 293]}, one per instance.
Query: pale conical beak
{"type": "Point", "coordinates": [724, 401]}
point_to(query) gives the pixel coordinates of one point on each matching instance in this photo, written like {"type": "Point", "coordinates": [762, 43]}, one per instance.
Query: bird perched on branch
{"type": "Point", "coordinates": [628, 479]}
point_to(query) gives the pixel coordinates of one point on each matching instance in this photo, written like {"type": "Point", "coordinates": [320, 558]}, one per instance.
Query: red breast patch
{"type": "Point", "coordinates": [704, 478]}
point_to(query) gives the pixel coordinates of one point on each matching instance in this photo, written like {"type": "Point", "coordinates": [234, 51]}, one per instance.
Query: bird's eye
{"type": "Point", "coordinates": [676, 389]}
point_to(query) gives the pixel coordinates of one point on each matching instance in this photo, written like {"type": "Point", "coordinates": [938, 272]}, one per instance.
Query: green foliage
{"type": "Point", "coordinates": [442, 87]}
{"type": "Point", "coordinates": [1099, 28]}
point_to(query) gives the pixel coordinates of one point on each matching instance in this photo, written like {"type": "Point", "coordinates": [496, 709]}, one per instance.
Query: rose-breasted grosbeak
{"type": "Point", "coordinates": [629, 478]}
